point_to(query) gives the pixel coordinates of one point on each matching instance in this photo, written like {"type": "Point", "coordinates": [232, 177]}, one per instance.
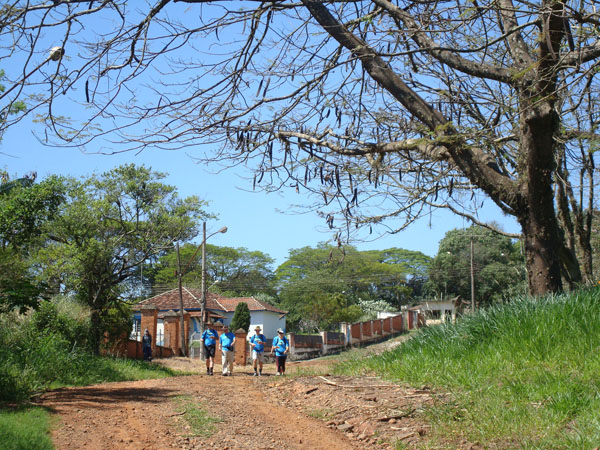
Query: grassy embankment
{"type": "Point", "coordinates": [26, 427]}
{"type": "Point", "coordinates": [33, 360]}
{"type": "Point", "coordinates": [521, 375]}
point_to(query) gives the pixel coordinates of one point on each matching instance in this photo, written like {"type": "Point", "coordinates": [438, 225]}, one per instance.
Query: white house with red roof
{"type": "Point", "coordinates": [218, 309]}
{"type": "Point", "coordinates": [266, 316]}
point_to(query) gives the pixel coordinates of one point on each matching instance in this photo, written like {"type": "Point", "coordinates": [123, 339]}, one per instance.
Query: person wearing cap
{"type": "Point", "coordinates": [227, 340]}
{"type": "Point", "coordinates": [147, 345]}
{"type": "Point", "coordinates": [257, 341]}
{"type": "Point", "coordinates": [280, 346]}
{"type": "Point", "coordinates": [209, 338]}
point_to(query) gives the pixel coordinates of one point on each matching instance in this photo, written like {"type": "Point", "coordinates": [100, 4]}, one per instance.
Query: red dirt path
{"type": "Point", "coordinates": [293, 412]}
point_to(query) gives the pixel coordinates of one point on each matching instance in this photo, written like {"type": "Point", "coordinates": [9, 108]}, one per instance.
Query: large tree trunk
{"type": "Point", "coordinates": [542, 256]}
{"type": "Point", "coordinates": [543, 240]}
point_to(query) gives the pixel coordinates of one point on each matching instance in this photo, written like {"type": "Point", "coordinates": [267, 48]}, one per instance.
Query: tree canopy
{"type": "Point", "coordinates": [498, 266]}
{"type": "Point", "coordinates": [109, 226]}
{"type": "Point", "coordinates": [26, 209]}
{"type": "Point", "coordinates": [384, 110]}
{"type": "Point", "coordinates": [231, 271]}
{"type": "Point", "coordinates": [323, 286]}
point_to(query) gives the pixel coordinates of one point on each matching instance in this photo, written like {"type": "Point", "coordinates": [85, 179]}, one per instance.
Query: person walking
{"type": "Point", "coordinates": [281, 347]}
{"type": "Point", "coordinates": [147, 345]}
{"type": "Point", "coordinates": [209, 338]}
{"type": "Point", "coordinates": [257, 341]}
{"type": "Point", "coordinates": [227, 340]}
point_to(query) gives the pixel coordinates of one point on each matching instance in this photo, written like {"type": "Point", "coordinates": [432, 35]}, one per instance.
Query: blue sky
{"type": "Point", "coordinates": [255, 220]}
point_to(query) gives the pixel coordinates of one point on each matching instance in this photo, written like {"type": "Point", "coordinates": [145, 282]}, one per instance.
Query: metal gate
{"type": "Point", "coordinates": [195, 345]}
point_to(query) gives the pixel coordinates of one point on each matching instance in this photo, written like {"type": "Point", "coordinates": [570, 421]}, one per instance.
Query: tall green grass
{"type": "Point", "coordinates": [25, 429]}
{"type": "Point", "coordinates": [521, 375]}
{"type": "Point", "coordinates": [45, 351]}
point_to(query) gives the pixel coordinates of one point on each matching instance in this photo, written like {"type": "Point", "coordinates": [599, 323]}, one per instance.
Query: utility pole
{"type": "Point", "coordinates": [181, 321]}
{"type": "Point", "coordinates": [181, 272]}
{"type": "Point", "coordinates": [472, 279]}
{"type": "Point", "coordinates": [203, 302]}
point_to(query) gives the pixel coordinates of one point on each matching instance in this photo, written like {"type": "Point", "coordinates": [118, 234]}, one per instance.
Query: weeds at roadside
{"type": "Point", "coordinates": [399, 445]}
{"type": "Point", "coordinates": [307, 371]}
{"type": "Point", "coordinates": [522, 375]}
{"type": "Point", "coordinates": [25, 428]}
{"type": "Point", "coordinates": [321, 413]}
{"type": "Point", "coordinates": [196, 420]}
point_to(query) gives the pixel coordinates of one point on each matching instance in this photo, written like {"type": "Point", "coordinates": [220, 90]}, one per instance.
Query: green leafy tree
{"type": "Point", "coordinates": [326, 311]}
{"type": "Point", "coordinates": [370, 308]}
{"type": "Point", "coordinates": [413, 266]}
{"type": "Point", "coordinates": [320, 278]}
{"type": "Point", "coordinates": [498, 264]}
{"type": "Point", "coordinates": [230, 271]}
{"type": "Point", "coordinates": [26, 208]}
{"type": "Point", "coordinates": [110, 226]}
{"type": "Point", "coordinates": [241, 318]}
{"type": "Point", "coordinates": [19, 288]}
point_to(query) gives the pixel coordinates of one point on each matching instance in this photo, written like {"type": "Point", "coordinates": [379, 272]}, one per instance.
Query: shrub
{"type": "Point", "coordinates": [117, 324]}
{"type": "Point", "coordinates": [50, 319]}
{"type": "Point", "coordinates": [241, 318]}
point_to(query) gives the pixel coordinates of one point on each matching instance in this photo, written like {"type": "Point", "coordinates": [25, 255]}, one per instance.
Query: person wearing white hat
{"type": "Point", "coordinates": [257, 341]}
{"type": "Point", "coordinates": [280, 346]}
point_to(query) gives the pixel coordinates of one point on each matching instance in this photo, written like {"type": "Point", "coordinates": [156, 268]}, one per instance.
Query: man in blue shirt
{"type": "Point", "coordinates": [257, 341]}
{"type": "Point", "coordinates": [281, 347]}
{"type": "Point", "coordinates": [209, 337]}
{"type": "Point", "coordinates": [227, 340]}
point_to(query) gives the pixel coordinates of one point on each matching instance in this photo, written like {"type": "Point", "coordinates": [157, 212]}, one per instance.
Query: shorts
{"type": "Point", "coordinates": [258, 355]}
{"type": "Point", "coordinates": [209, 351]}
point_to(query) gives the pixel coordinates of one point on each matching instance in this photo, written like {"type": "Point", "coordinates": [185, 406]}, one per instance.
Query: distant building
{"type": "Point", "coordinates": [218, 309]}
{"type": "Point", "coordinates": [439, 310]}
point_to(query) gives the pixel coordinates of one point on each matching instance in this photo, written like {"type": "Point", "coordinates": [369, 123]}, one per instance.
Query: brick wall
{"type": "Point", "coordinates": [366, 329]}
{"type": "Point", "coordinates": [355, 330]}
{"type": "Point", "coordinates": [377, 327]}
{"type": "Point", "coordinates": [387, 325]}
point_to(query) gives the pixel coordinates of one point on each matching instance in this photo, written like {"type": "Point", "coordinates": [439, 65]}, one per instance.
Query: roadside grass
{"type": "Point", "coordinates": [25, 428]}
{"type": "Point", "coordinates": [197, 421]}
{"type": "Point", "coordinates": [33, 361]}
{"type": "Point", "coordinates": [91, 369]}
{"type": "Point", "coordinates": [315, 368]}
{"type": "Point", "coordinates": [521, 375]}
{"type": "Point", "coordinates": [27, 374]}
{"type": "Point", "coordinates": [322, 413]}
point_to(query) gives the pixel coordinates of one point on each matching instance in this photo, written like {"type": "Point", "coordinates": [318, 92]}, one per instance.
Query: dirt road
{"type": "Point", "coordinates": [293, 412]}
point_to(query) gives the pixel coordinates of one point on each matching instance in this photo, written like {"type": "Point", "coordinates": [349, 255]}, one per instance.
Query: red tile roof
{"type": "Point", "coordinates": [253, 304]}
{"type": "Point", "coordinates": [192, 300]}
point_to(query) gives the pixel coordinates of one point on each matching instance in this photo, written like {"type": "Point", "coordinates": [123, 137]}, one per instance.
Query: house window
{"type": "Point", "coordinates": [135, 329]}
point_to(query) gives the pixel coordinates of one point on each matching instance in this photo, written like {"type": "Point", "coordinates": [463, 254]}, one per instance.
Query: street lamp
{"type": "Point", "coordinates": [180, 274]}
{"type": "Point", "coordinates": [203, 301]}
